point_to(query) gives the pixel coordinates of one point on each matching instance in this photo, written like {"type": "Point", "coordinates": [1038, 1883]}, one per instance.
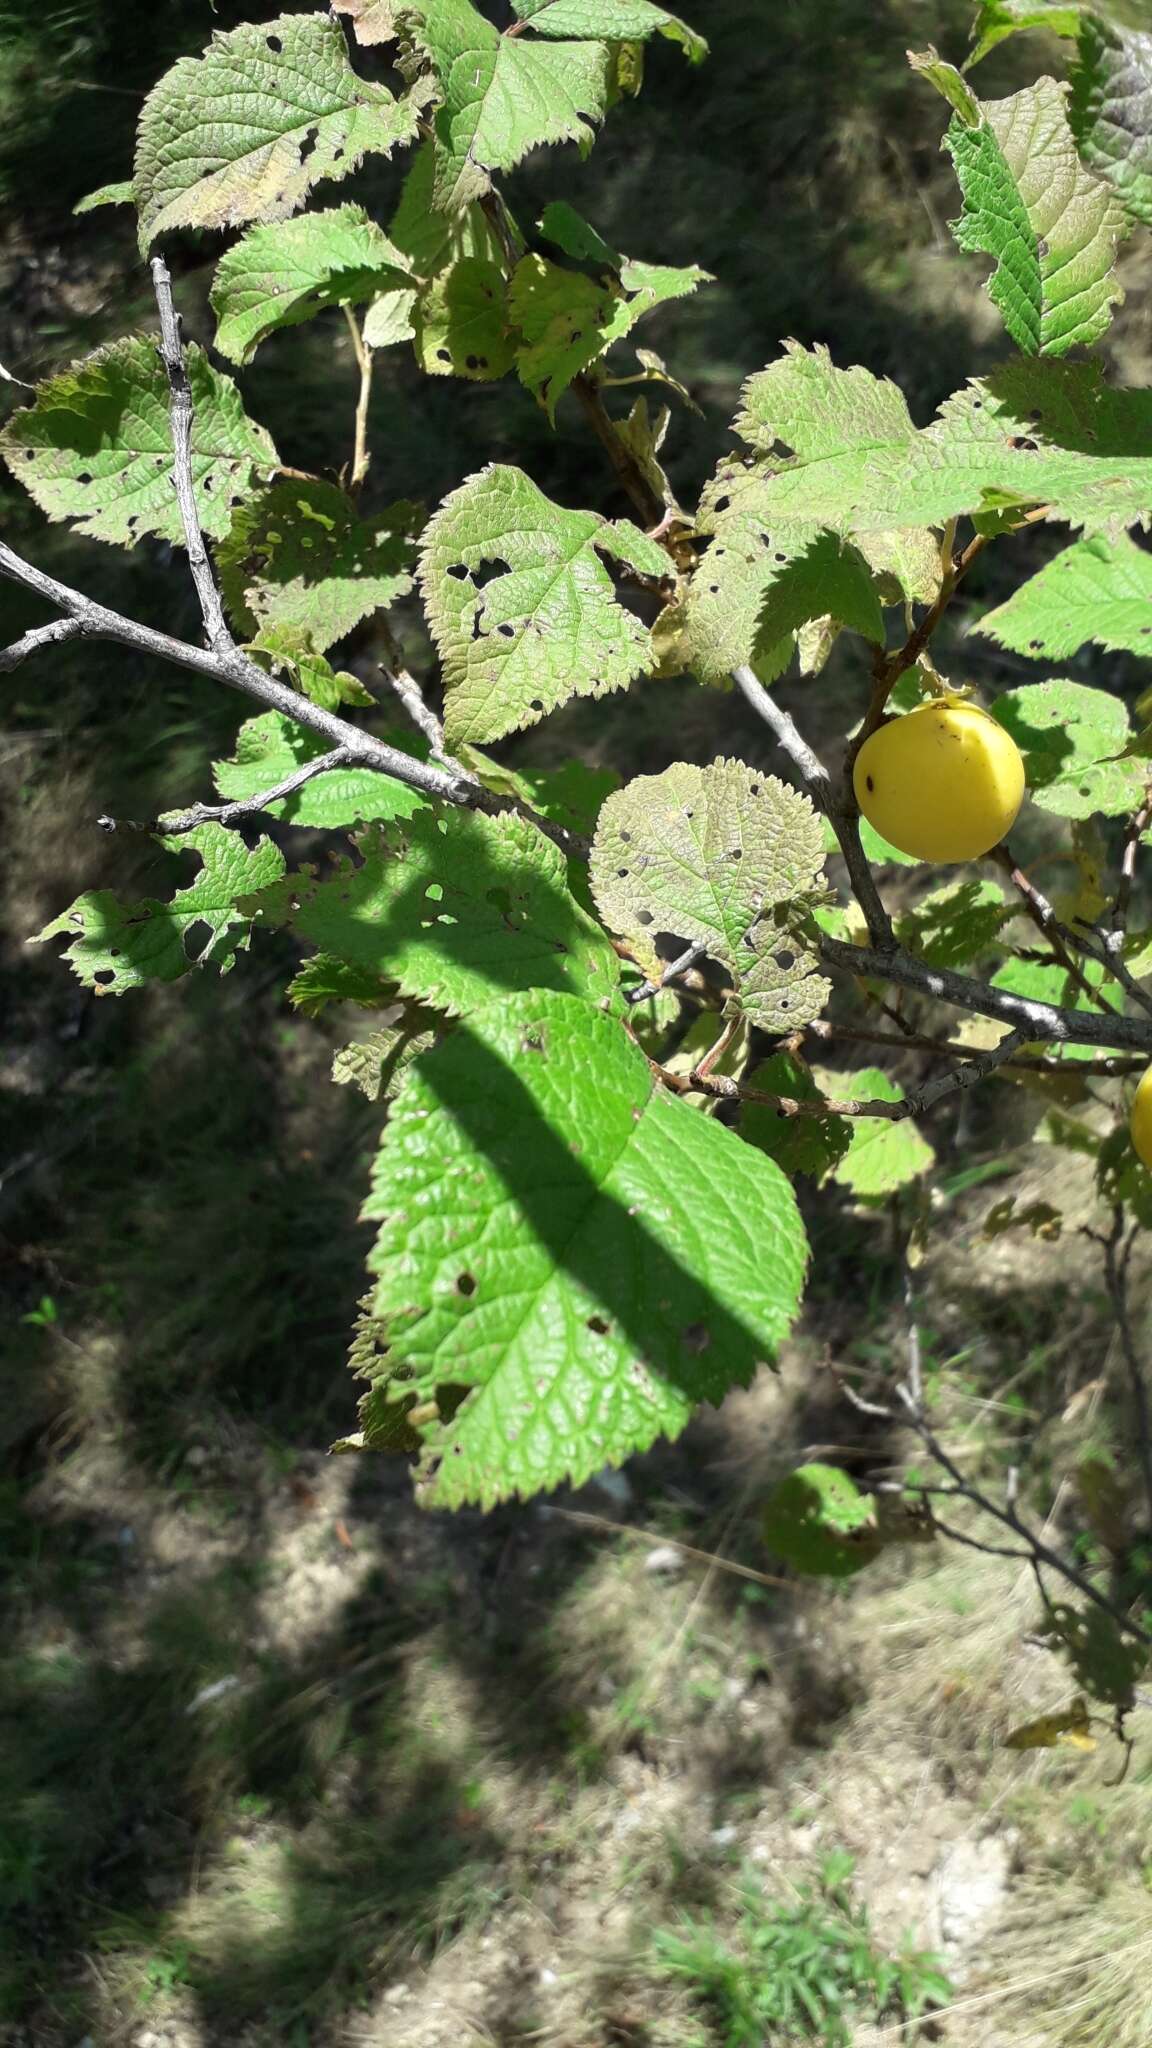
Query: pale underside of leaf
{"type": "Point", "coordinates": [1051, 226]}
{"type": "Point", "coordinates": [1111, 110]}
{"type": "Point", "coordinates": [244, 132]}
{"type": "Point", "coordinates": [521, 606]}
{"type": "Point", "coordinates": [587, 1257]}
{"type": "Point", "coordinates": [724, 857]}
{"type": "Point", "coordinates": [96, 446]}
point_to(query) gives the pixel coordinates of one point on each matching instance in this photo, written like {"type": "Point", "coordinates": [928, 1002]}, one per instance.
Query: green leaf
{"type": "Point", "coordinates": [298, 556]}
{"type": "Point", "coordinates": [452, 908]}
{"type": "Point", "coordinates": [798, 1144]}
{"type": "Point", "coordinates": [115, 946]}
{"type": "Point", "coordinates": [568, 319]}
{"type": "Point", "coordinates": [1105, 1662]}
{"type": "Point", "coordinates": [998, 19]}
{"type": "Point", "coordinates": [245, 131]}
{"type": "Point", "coordinates": [429, 242]}
{"type": "Point", "coordinates": [754, 587]}
{"type": "Point", "coordinates": [1111, 109]}
{"type": "Point", "coordinates": [559, 1272]}
{"type": "Point", "coordinates": [542, 624]}
{"type": "Point", "coordinates": [840, 449]}
{"type": "Point", "coordinates": [957, 925]}
{"type": "Point", "coordinates": [1098, 590]}
{"type": "Point", "coordinates": [96, 447]}
{"type": "Point", "coordinates": [1050, 226]}
{"type": "Point", "coordinates": [121, 194]}
{"type": "Point", "coordinates": [323, 979]}
{"type": "Point", "coordinates": [819, 1521]}
{"type": "Point", "coordinates": [1069, 736]}
{"type": "Point", "coordinates": [279, 276]}
{"type": "Point", "coordinates": [719, 856]}
{"type": "Point", "coordinates": [460, 322]}
{"type": "Point", "coordinates": [612, 20]}
{"type": "Point", "coordinates": [286, 651]}
{"type": "Point", "coordinates": [950, 84]}
{"type": "Point", "coordinates": [270, 747]}
{"type": "Point", "coordinates": [881, 1156]}
{"type": "Point", "coordinates": [502, 96]}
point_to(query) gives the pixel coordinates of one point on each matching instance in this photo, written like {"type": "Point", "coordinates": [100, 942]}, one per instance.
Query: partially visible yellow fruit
{"type": "Point", "coordinates": [943, 783]}
{"type": "Point", "coordinates": [1140, 1121]}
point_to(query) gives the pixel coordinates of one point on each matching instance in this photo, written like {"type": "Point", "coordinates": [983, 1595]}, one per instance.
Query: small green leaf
{"type": "Point", "coordinates": [270, 747]}
{"type": "Point", "coordinates": [798, 1144]}
{"type": "Point", "coordinates": [451, 908]}
{"type": "Point", "coordinates": [1070, 736]}
{"type": "Point", "coordinates": [1051, 226]}
{"type": "Point", "coordinates": [546, 625]}
{"type": "Point", "coordinates": [882, 1156]}
{"type": "Point", "coordinates": [559, 1273]}
{"type": "Point", "coordinates": [612, 20]}
{"type": "Point", "coordinates": [121, 194]}
{"type": "Point", "coordinates": [1104, 1661]}
{"type": "Point", "coordinates": [1098, 590]}
{"type": "Point", "coordinates": [288, 651]}
{"type": "Point", "coordinates": [115, 946]}
{"type": "Point", "coordinates": [245, 131]}
{"type": "Point", "coordinates": [1111, 107]}
{"type": "Point", "coordinates": [998, 19]}
{"type": "Point", "coordinates": [725, 857]}
{"type": "Point", "coordinates": [96, 447]}
{"type": "Point", "coordinates": [376, 1065]}
{"type": "Point", "coordinates": [460, 322]}
{"type": "Point", "coordinates": [299, 557]}
{"type": "Point", "coordinates": [819, 1521]}
{"type": "Point", "coordinates": [323, 979]}
{"type": "Point", "coordinates": [279, 276]}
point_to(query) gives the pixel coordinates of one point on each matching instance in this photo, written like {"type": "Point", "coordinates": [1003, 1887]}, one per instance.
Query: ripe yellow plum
{"type": "Point", "coordinates": [1140, 1121]}
{"type": "Point", "coordinates": [943, 783]}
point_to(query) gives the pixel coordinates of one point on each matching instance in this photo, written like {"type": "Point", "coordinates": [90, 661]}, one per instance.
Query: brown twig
{"type": "Point", "coordinates": [1043, 916]}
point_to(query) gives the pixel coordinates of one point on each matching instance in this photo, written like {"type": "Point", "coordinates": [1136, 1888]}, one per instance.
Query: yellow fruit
{"type": "Point", "coordinates": [942, 783]}
{"type": "Point", "coordinates": [1140, 1121]}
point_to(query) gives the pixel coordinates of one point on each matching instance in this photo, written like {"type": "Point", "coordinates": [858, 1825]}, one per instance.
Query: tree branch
{"type": "Point", "coordinates": [1041, 1021]}
{"type": "Point", "coordinates": [360, 453]}
{"type": "Point", "coordinates": [1116, 1277]}
{"type": "Point", "coordinates": [688, 959]}
{"type": "Point", "coordinates": [36, 638]}
{"type": "Point", "coordinates": [244, 807]}
{"type": "Point", "coordinates": [1044, 917]}
{"type": "Point", "coordinates": [182, 417]}
{"type": "Point", "coordinates": [1106, 1064]}
{"type": "Point", "coordinates": [702, 1081]}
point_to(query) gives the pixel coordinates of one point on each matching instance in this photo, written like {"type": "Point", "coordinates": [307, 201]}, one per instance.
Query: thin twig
{"type": "Point", "coordinates": [1137, 826]}
{"type": "Point", "coordinates": [408, 690]}
{"type": "Point", "coordinates": [649, 505]}
{"type": "Point", "coordinates": [708, 1557]}
{"type": "Point", "coordinates": [245, 807]}
{"type": "Point", "coordinates": [182, 417]}
{"type": "Point", "coordinates": [37, 637]}
{"type": "Point", "coordinates": [702, 1081]}
{"type": "Point", "coordinates": [1044, 917]}
{"type": "Point", "coordinates": [1116, 1260]}
{"type": "Point", "coordinates": [361, 456]}
{"type": "Point", "coordinates": [1044, 1022]}
{"type": "Point", "coordinates": [1107, 1064]}
{"type": "Point", "coordinates": [690, 958]}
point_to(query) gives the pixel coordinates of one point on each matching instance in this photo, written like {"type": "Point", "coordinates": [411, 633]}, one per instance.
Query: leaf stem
{"type": "Point", "coordinates": [361, 456]}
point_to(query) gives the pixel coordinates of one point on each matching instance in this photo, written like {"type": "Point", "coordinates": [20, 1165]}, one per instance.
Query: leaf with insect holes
{"type": "Point", "coordinates": [271, 747]}
{"type": "Point", "coordinates": [818, 1520]}
{"type": "Point", "coordinates": [726, 858]}
{"type": "Point", "coordinates": [614, 21]}
{"type": "Point", "coordinates": [245, 131]}
{"type": "Point", "coordinates": [115, 945]}
{"type": "Point", "coordinates": [501, 96]}
{"type": "Point", "coordinates": [839, 448]}
{"type": "Point", "coordinates": [798, 1144]}
{"type": "Point", "coordinates": [1070, 736]}
{"type": "Point", "coordinates": [453, 908]}
{"type": "Point", "coordinates": [373, 21]}
{"type": "Point", "coordinates": [559, 1273]}
{"type": "Point", "coordinates": [460, 322]}
{"type": "Point", "coordinates": [1104, 1660]}
{"type": "Point", "coordinates": [1097, 590]}
{"type": "Point", "coordinates": [96, 446]}
{"type": "Point", "coordinates": [753, 588]}
{"type": "Point", "coordinates": [956, 926]}
{"type": "Point", "coordinates": [1111, 107]}
{"type": "Point", "coordinates": [566, 318]}
{"type": "Point", "coordinates": [882, 1156]}
{"type": "Point", "coordinates": [1050, 226]}
{"type": "Point", "coordinates": [521, 605]}
{"type": "Point", "coordinates": [281, 275]}
{"type": "Point", "coordinates": [299, 556]}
